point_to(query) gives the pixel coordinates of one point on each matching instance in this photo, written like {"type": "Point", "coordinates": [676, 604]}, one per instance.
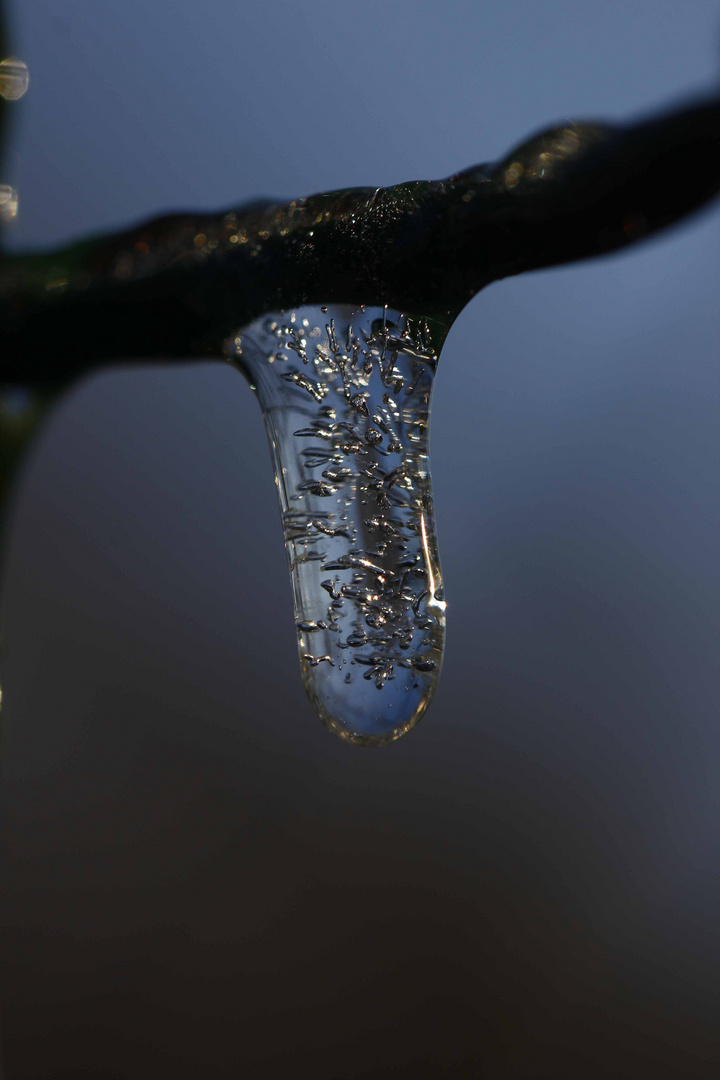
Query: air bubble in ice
{"type": "Point", "coordinates": [382, 607]}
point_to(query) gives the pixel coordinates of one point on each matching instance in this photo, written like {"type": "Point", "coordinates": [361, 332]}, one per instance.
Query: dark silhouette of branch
{"type": "Point", "coordinates": [178, 286]}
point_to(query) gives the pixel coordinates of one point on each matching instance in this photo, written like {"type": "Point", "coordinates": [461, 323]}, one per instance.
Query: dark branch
{"type": "Point", "coordinates": [178, 286]}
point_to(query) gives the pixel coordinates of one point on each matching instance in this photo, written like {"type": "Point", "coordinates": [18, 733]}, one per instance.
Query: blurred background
{"type": "Point", "coordinates": [197, 879]}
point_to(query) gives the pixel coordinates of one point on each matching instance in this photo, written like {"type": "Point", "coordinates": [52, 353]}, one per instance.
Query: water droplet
{"type": "Point", "coordinates": [368, 522]}
{"type": "Point", "coordinates": [14, 78]}
{"type": "Point", "coordinates": [8, 202]}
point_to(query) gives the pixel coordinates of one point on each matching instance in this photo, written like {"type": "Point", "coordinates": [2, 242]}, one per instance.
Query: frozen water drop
{"type": "Point", "coordinates": [14, 78]}
{"type": "Point", "coordinates": [367, 521]}
{"type": "Point", "coordinates": [8, 202]}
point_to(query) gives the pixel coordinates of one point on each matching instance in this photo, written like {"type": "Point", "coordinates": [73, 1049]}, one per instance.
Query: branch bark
{"type": "Point", "coordinates": [179, 286]}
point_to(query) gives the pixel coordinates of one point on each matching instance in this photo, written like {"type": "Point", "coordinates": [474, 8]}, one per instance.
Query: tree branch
{"type": "Point", "coordinates": [177, 287]}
